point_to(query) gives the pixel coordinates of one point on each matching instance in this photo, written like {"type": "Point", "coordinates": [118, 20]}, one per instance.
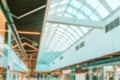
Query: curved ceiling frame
{"type": "Point", "coordinates": [80, 11]}
{"type": "Point", "coordinates": [69, 27]}
{"type": "Point", "coordinates": [84, 14]}
{"type": "Point", "coordinates": [65, 37]}
{"type": "Point", "coordinates": [61, 42]}
{"type": "Point", "coordinates": [94, 11]}
{"type": "Point", "coordinates": [60, 33]}
{"type": "Point", "coordinates": [49, 39]}
{"type": "Point", "coordinates": [56, 38]}
{"type": "Point", "coordinates": [65, 42]}
{"type": "Point", "coordinates": [50, 32]}
{"type": "Point", "coordinates": [47, 34]}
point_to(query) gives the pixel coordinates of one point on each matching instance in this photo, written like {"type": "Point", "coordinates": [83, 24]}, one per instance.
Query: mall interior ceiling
{"type": "Point", "coordinates": [50, 35]}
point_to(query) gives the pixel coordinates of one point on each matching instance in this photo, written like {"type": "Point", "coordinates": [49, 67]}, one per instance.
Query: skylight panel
{"type": "Point", "coordinates": [61, 9]}
{"type": "Point", "coordinates": [47, 24]}
{"type": "Point", "coordinates": [62, 49]}
{"type": "Point", "coordinates": [53, 29]}
{"type": "Point", "coordinates": [73, 33]}
{"type": "Point", "coordinates": [53, 5]}
{"type": "Point", "coordinates": [84, 29]}
{"type": "Point", "coordinates": [114, 4]}
{"type": "Point", "coordinates": [86, 10]}
{"type": "Point", "coordinates": [53, 43]}
{"type": "Point", "coordinates": [51, 33]}
{"type": "Point", "coordinates": [69, 36]}
{"type": "Point", "coordinates": [67, 15]}
{"type": "Point", "coordinates": [60, 29]}
{"type": "Point", "coordinates": [46, 31]}
{"type": "Point", "coordinates": [58, 32]}
{"type": "Point", "coordinates": [63, 26]}
{"type": "Point", "coordinates": [77, 31]}
{"type": "Point", "coordinates": [52, 12]}
{"type": "Point", "coordinates": [102, 11]}
{"type": "Point", "coordinates": [93, 3]}
{"type": "Point", "coordinates": [80, 16]}
{"type": "Point", "coordinates": [76, 4]}
{"type": "Point", "coordinates": [46, 28]}
{"type": "Point", "coordinates": [94, 17]}
{"type": "Point", "coordinates": [56, 47]}
{"type": "Point", "coordinates": [76, 36]}
{"type": "Point", "coordinates": [70, 30]}
{"type": "Point", "coordinates": [64, 2]}
{"type": "Point", "coordinates": [62, 39]}
{"type": "Point", "coordinates": [71, 10]}
{"type": "Point", "coordinates": [54, 25]}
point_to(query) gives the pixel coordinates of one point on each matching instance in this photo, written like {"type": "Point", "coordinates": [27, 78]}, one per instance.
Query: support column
{"type": "Point", "coordinates": [9, 51]}
{"type": "Point", "coordinates": [90, 73]}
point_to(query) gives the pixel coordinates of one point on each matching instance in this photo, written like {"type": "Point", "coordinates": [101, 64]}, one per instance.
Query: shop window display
{"type": "Point", "coordinates": [109, 75]}
{"type": "Point", "coordinates": [97, 74]}
{"type": "Point", "coordinates": [117, 72]}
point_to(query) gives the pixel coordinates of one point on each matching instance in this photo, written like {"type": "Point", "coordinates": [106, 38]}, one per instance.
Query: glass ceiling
{"type": "Point", "coordinates": [59, 37]}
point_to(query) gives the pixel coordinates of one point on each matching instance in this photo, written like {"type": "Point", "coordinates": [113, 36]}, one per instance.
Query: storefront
{"type": "Point", "coordinates": [2, 73]}
{"type": "Point", "coordinates": [66, 74]}
{"type": "Point", "coordinates": [81, 74]}
{"type": "Point", "coordinates": [107, 72]}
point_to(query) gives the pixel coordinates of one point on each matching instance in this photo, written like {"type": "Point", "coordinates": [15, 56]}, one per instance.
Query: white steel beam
{"type": "Point", "coordinates": [76, 22]}
{"type": "Point", "coordinates": [28, 13]}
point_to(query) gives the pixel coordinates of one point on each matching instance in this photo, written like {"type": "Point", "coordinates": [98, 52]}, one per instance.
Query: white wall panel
{"type": "Point", "coordinates": [97, 43]}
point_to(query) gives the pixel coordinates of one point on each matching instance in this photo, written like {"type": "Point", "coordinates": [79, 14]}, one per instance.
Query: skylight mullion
{"type": "Point", "coordinates": [106, 5]}
{"type": "Point", "coordinates": [102, 11]}
{"type": "Point", "coordinates": [60, 46]}
{"type": "Point", "coordinates": [69, 36]}
{"type": "Point", "coordinates": [80, 11]}
{"type": "Point", "coordinates": [85, 30]}
{"type": "Point", "coordinates": [48, 42]}
{"type": "Point", "coordinates": [51, 45]}
{"type": "Point", "coordinates": [66, 7]}
{"type": "Point", "coordinates": [92, 9]}
{"type": "Point", "coordinates": [65, 37]}
{"type": "Point", "coordinates": [47, 34]}
{"type": "Point", "coordinates": [68, 28]}
{"type": "Point", "coordinates": [57, 46]}
{"type": "Point", "coordinates": [73, 34]}
{"type": "Point", "coordinates": [114, 4]}
{"type": "Point", "coordinates": [52, 36]}
{"type": "Point", "coordinates": [62, 40]}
